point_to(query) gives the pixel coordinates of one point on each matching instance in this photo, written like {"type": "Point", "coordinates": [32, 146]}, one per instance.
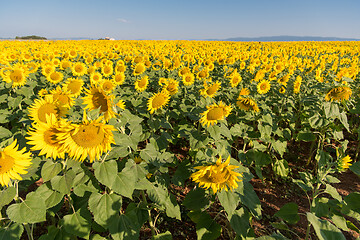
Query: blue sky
{"type": "Point", "coordinates": [186, 19]}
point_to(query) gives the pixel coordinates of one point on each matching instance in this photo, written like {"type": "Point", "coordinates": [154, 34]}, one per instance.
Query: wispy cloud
{"type": "Point", "coordinates": [123, 20]}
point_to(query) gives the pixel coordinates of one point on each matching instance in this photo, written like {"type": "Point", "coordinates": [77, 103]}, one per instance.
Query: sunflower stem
{"type": "Point", "coordinates": [28, 231]}
{"type": "Point", "coordinates": [151, 223]}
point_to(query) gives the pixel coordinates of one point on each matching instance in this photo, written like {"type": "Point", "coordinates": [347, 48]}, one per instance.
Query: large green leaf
{"type": "Point", "coordinates": [77, 225]}
{"type": "Point", "coordinates": [124, 182]}
{"type": "Point", "coordinates": [104, 206]}
{"type": "Point", "coordinates": [249, 198]}
{"type": "Point", "coordinates": [196, 199]}
{"type": "Point", "coordinates": [289, 213]}
{"type": "Point", "coordinates": [12, 232]}
{"type": "Point", "coordinates": [51, 197]}
{"type": "Point", "coordinates": [240, 221]}
{"type": "Point", "coordinates": [63, 183]}
{"type": "Point", "coordinates": [229, 200]}
{"type": "Point", "coordinates": [158, 193]}
{"type": "Point", "coordinates": [172, 208]}
{"type": "Point", "coordinates": [324, 229]}
{"type": "Point", "coordinates": [206, 227]}
{"type": "Point", "coordinates": [4, 132]}
{"type": "Point", "coordinates": [7, 195]}
{"type": "Point", "coordinates": [105, 172]}
{"type": "Point", "coordinates": [32, 210]}
{"type": "Point", "coordinates": [122, 228]}
{"type": "Point", "coordinates": [50, 170]}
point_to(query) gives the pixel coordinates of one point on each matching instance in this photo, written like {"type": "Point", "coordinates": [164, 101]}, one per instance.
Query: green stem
{"type": "Point", "coordinates": [151, 223]}
{"type": "Point", "coordinates": [311, 153]}
{"type": "Point", "coordinates": [28, 231]}
{"type": "Point", "coordinates": [307, 231]}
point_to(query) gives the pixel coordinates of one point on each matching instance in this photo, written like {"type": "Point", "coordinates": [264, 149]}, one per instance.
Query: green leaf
{"type": "Point", "coordinates": [229, 200]}
{"type": "Point", "coordinates": [281, 167]}
{"type": "Point", "coordinates": [122, 228]}
{"type": "Point", "coordinates": [105, 172]}
{"type": "Point", "coordinates": [249, 198]}
{"type": "Point", "coordinates": [172, 208]}
{"type": "Point", "coordinates": [260, 158]}
{"type": "Point", "coordinates": [316, 121]}
{"type": "Point", "coordinates": [12, 232]}
{"type": "Point", "coordinates": [137, 214]}
{"type": "Point", "coordinates": [289, 213]}
{"type": "Point", "coordinates": [280, 147]}
{"type": "Point", "coordinates": [206, 227]}
{"type": "Point", "coordinates": [150, 153]}
{"type": "Point", "coordinates": [324, 229]}
{"type": "Point", "coordinates": [104, 206]}
{"type": "Point", "coordinates": [331, 109]}
{"type": "Point", "coordinates": [333, 192]}
{"type": "Point", "coordinates": [4, 133]}
{"type": "Point", "coordinates": [163, 236]}
{"type": "Point", "coordinates": [340, 222]}
{"type": "Point", "coordinates": [77, 225]}
{"type": "Point", "coordinates": [344, 121]}
{"type": "Point", "coordinates": [50, 170]}
{"type": "Point", "coordinates": [196, 199]}
{"type": "Point", "coordinates": [355, 168]}
{"type": "Point", "coordinates": [7, 195]}
{"type": "Point", "coordinates": [124, 182]}
{"type": "Point", "coordinates": [32, 210]}
{"type": "Point", "coordinates": [306, 136]}
{"type": "Point", "coordinates": [51, 197]}
{"type": "Point", "coordinates": [198, 140]}
{"type": "Point", "coordinates": [63, 183]}
{"type": "Point", "coordinates": [240, 221]}
{"type": "Point", "coordinates": [158, 193]}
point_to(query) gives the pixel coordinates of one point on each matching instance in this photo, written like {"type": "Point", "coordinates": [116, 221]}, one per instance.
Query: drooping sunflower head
{"type": "Point", "coordinates": [263, 87]}
{"type": "Point", "coordinates": [12, 163]}
{"type": "Point", "coordinates": [139, 69]}
{"type": "Point", "coordinates": [158, 101]}
{"type": "Point", "coordinates": [244, 92]}
{"type": "Point", "coordinates": [63, 98]}
{"type": "Point", "coordinates": [217, 176]}
{"type": "Point", "coordinates": [297, 84]}
{"type": "Point", "coordinates": [210, 90]}
{"type": "Point", "coordinates": [96, 98]}
{"type": "Point", "coordinates": [246, 103]}
{"type": "Point", "coordinates": [171, 86]}
{"type": "Point", "coordinates": [215, 113]}
{"type": "Point", "coordinates": [87, 139]}
{"type": "Point", "coordinates": [45, 106]}
{"type": "Point", "coordinates": [338, 94]}
{"type": "Point", "coordinates": [141, 84]}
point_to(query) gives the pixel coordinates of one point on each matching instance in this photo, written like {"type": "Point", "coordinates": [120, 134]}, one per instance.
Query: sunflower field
{"type": "Point", "coordinates": [127, 139]}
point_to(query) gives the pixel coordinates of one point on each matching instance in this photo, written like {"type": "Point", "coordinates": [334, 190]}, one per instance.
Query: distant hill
{"type": "Point", "coordinates": [287, 38]}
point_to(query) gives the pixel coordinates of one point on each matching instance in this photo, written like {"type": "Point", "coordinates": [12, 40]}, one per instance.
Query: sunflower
{"type": "Point", "coordinates": [87, 139]}
{"type": "Point", "coordinates": [107, 85]}
{"type": "Point", "coordinates": [141, 84]}
{"type": "Point", "coordinates": [63, 98]}
{"type": "Point", "coordinates": [139, 69]}
{"type": "Point", "coordinates": [171, 86]}
{"type": "Point", "coordinates": [55, 77]}
{"type": "Point", "coordinates": [235, 79]}
{"type": "Point", "coordinates": [282, 90]}
{"type": "Point", "coordinates": [43, 137]}
{"type": "Point", "coordinates": [95, 78]}
{"type": "Point", "coordinates": [119, 78]}
{"type": "Point", "coordinates": [344, 163]}
{"type": "Point", "coordinates": [45, 106]}
{"type": "Point", "coordinates": [284, 79]}
{"type": "Point", "coordinates": [74, 86]}
{"type": "Point", "coordinates": [188, 79]}
{"type": "Point", "coordinates": [338, 94]}
{"type": "Point", "coordinates": [12, 163]}
{"type": "Point", "coordinates": [263, 87]}
{"type": "Point", "coordinates": [217, 176]}
{"type": "Point", "coordinates": [107, 70]}
{"type": "Point", "coordinates": [96, 98]}
{"type": "Point", "coordinates": [244, 92]}
{"type": "Point", "coordinates": [214, 113]}
{"type": "Point", "coordinates": [210, 90]}
{"type": "Point", "coordinates": [47, 69]}
{"type": "Point", "coordinates": [79, 69]}
{"type": "Point", "coordinates": [17, 76]}
{"type": "Point", "coordinates": [246, 103]}
{"type": "Point", "coordinates": [297, 84]}
{"type": "Point", "coordinates": [158, 101]}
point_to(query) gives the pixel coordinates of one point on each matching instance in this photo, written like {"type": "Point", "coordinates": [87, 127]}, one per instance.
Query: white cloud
{"type": "Point", "coordinates": [123, 20]}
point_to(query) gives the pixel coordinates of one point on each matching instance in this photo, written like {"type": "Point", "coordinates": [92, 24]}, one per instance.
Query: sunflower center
{"type": "Point", "coordinates": [142, 83]}
{"type": "Point", "coordinates": [50, 137]}
{"type": "Point", "coordinates": [215, 176]}
{"type": "Point", "coordinates": [6, 162]}
{"type": "Point", "coordinates": [107, 86]}
{"type": "Point", "coordinates": [171, 88]}
{"type": "Point", "coordinates": [158, 101]}
{"type": "Point", "coordinates": [78, 68]}
{"type": "Point", "coordinates": [16, 76]}
{"type": "Point", "coordinates": [74, 87]}
{"type": "Point", "coordinates": [46, 109]}
{"type": "Point", "coordinates": [263, 86]}
{"type": "Point", "coordinates": [211, 90]}
{"type": "Point", "coordinates": [89, 136]}
{"type": "Point", "coordinates": [63, 99]}
{"type": "Point", "coordinates": [215, 114]}
{"type": "Point", "coordinates": [99, 100]}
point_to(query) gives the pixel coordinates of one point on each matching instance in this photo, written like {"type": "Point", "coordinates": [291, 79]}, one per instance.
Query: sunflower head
{"type": "Point", "coordinates": [246, 104]}
{"type": "Point", "coordinates": [141, 84]}
{"type": "Point", "coordinates": [96, 98]}
{"type": "Point", "coordinates": [263, 87]}
{"type": "Point", "coordinates": [12, 163]}
{"type": "Point", "coordinates": [344, 163]}
{"type": "Point", "coordinates": [217, 176]}
{"type": "Point", "coordinates": [46, 106]}
{"type": "Point", "coordinates": [338, 94]}
{"type": "Point", "coordinates": [215, 113]}
{"type": "Point", "coordinates": [74, 86]}
{"type": "Point", "coordinates": [158, 101]}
